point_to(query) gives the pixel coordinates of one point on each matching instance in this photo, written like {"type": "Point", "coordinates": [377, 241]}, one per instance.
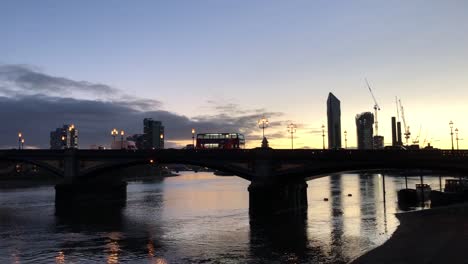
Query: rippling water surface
{"type": "Point", "coordinates": [202, 218]}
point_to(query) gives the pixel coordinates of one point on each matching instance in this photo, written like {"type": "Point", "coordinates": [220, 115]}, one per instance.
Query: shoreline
{"type": "Point", "coordinates": [436, 235]}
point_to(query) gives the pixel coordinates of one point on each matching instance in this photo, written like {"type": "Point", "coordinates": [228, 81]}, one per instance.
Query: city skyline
{"type": "Point", "coordinates": [220, 71]}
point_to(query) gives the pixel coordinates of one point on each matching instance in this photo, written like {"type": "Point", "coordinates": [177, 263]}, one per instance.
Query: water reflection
{"type": "Point", "coordinates": [113, 248]}
{"type": "Point", "coordinates": [201, 218]}
{"type": "Point", "coordinates": [280, 237]}
{"type": "Point", "coordinates": [336, 216]}
{"type": "Point", "coordinates": [60, 258]}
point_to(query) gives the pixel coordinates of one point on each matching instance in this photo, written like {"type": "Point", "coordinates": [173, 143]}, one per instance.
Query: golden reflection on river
{"type": "Point", "coordinates": [113, 248]}
{"type": "Point", "coordinates": [60, 258]}
{"type": "Point", "coordinates": [153, 259]}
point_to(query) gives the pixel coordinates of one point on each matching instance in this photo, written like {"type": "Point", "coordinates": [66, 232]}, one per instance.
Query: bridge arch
{"type": "Point", "coordinates": [38, 163]}
{"type": "Point", "coordinates": [310, 172]}
{"type": "Point", "coordinates": [100, 169]}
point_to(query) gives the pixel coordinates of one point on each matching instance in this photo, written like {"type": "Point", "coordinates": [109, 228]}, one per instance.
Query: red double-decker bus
{"type": "Point", "coordinates": [220, 141]}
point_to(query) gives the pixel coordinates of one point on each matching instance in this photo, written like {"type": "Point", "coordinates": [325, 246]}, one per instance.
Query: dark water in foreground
{"type": "Point", "coordinates": [202, 218]}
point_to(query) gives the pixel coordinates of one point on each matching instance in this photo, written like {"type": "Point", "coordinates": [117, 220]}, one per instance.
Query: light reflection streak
{"type": "Point", "coordinates": [15, 258]}
{"type": "Point", "coordinates": [151, 254]}
{"type": "Point", "coordinates": [60, 258]}
{"type": "Point", "coordinates": [113, 248]}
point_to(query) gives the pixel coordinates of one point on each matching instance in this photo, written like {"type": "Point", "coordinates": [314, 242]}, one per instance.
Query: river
{"type": "Point", "coordinates": [202, 218]}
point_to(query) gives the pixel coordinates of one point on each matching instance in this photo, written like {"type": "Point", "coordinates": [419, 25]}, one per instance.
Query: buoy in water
{"type": "Point", "coordinates": [325, 199]}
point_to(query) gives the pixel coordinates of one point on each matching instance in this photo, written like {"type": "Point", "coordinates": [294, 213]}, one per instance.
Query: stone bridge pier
{"type": "Point", "coordinates": [269, 195]}
{"type": "Point", "coordinates": [78, 192]}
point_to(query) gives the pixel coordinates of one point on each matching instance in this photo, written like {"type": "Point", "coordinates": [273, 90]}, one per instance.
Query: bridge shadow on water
{"type": "Point", "coordinates": [280, 238]}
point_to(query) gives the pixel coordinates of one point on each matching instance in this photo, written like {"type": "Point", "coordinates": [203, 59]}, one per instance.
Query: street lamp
{"type": "Point", "coordinates": [122, 133]}
{"type": "Point", "coordinates": [456, 136]}
{"type": "Point", "coordinates": [114, 133]}
{"type": "Point", "coordinates": [451, 132]}
{"type": "Point", "coordinates": [345, 139]}
{"type": "Point", "coordinates": [193, 137]}
{"type": "Point", "coordinates": [19, 140]}
{"type": "Point", "coordinates": [292, 130]}
{"type": "Point", "coordinates": [22, 143]}
{"type": "Point", "coordinates": [323, 136]}
{"type": "Point", "coordinates": [263, 123]}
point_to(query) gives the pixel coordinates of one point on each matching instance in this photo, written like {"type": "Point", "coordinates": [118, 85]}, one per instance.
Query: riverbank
{"type": "Point", "coordinates": [436, 235]}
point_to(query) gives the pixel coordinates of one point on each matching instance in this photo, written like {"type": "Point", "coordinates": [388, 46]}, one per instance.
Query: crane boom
{"type": "Point", "coordinates": [397, 111]}
{"type": "Point", "coordinates": [376, 109]}
{"type": "Point", "coordinates": [407, 132]}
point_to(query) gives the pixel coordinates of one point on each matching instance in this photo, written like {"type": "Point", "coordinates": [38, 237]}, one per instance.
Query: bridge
{"type": "Point", "coordinates": [278, 177]}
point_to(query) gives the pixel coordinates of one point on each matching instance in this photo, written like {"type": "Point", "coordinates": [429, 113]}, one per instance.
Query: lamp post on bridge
{"type": "Point", "coordinates": [122, 133]}
{"type": "Point", "coordinates": [456, 137]}
{"type": "Point", "coordinates": [451, 132]}
{"type": "Point", "coordinates": [323, 136]}
{"type": "Point", "coordinates": [263, 123]}
{"type": "Point", "coordinates": [22, 143]}
{"type": "Point", "coordinates": [292, 130]}
{"type": "Point", "coordinates": [114, 133]}
{"type": "Point", "coordinates": [20, 135]}
{"type": "Point", "coordinates": [193, 137]}
{"type": "Point", "coordinates": [345, 139]}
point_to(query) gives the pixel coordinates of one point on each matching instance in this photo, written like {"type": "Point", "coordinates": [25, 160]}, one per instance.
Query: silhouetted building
{"type": "Point", "coordinates": [364, 127]}
{"type": "Point", "coordinates": [64, 137]}
{"type": "Point", "coordinates": [394, 132]}
{"type": "Point", "coordinates": [378, 142]}
{"type": "Point", "coordinates": [334, 122]}
{"type": "Point", "coordinates": [153, 134]}
{"type": "Point", "coordinates": [399, 140]}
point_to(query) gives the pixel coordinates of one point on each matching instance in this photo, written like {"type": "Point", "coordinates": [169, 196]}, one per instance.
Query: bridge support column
{"type": "Point", "coordinates": [277, 198]}
{"type": "Point", "coordinates": [90, 195]}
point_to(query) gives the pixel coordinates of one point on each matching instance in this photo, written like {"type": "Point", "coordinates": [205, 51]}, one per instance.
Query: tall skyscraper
{"type": "Point", "coordinates": [334, 122]}
{"type": "Point", "coordinates": [64, 137]}
{"type": "Point", "coordinates": [394, 132]}
{"type": "Point", "coordinates": [365, 130]}
{"type": "Point", "coordinates": [153, 134]}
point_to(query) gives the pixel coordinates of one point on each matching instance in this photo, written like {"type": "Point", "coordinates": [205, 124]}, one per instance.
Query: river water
{"type": "Point", "coordinates": [202, 218]}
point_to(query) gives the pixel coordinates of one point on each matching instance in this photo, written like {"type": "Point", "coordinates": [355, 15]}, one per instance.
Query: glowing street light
{"type": "Point", "coordinates": [263, 123]}
{"type": "Point", "coordinates": [22, 143]}
{"type": "Point", "coordinates": [193, 137]}
{"type": "Point", "coordinates": [122, 133]}
{"type": "Point", "coordinates": [451, 132]}
{"type": "Point", "coordinates": [20, 135]}
{"type": "Point", "coordinates": [114, 133]}
{"type": "Point", "coordinates": [292, 129]}
{"type": "Point", "coordinates": [345, 139]}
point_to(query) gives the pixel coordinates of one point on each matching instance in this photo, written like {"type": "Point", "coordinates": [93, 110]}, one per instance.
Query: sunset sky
{"type": "Point", "coordinates": [218, 66]}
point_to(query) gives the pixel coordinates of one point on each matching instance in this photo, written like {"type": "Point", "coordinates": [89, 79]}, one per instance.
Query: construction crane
{"type": "Point", "coordinates": [407, 132]}
{"type": "Point", "coordinates": [425, 141]}
{"type": "Point", "coordinates": [376, 109]}
{"type": "Point", "coordinates": [416, 140]}
{"type": "Point", "coordinates": [397, 111]}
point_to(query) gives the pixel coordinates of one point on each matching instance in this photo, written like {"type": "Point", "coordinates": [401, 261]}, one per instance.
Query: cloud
{"type": "Point", "coordinates": [31, 102]}
{"type": "Point", "coordinates": [27, 79]}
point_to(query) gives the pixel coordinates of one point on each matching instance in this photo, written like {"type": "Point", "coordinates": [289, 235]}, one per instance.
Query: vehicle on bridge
{"type": "Point", "coordinates": [220, 141]}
